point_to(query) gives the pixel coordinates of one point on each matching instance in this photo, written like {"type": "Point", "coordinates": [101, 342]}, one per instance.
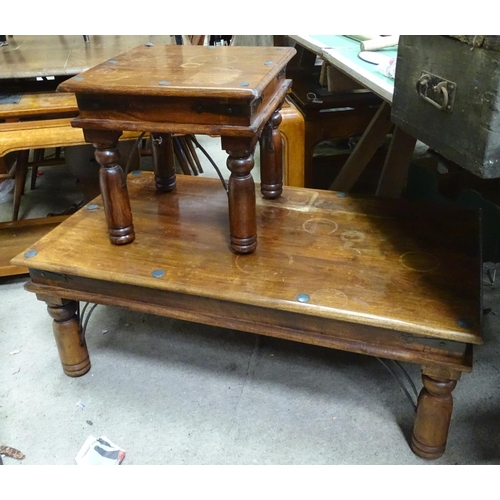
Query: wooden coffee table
{"type": "Point", "coordinates": [233, 92]}
{"type": "Point", "coordinates": [385, 278]}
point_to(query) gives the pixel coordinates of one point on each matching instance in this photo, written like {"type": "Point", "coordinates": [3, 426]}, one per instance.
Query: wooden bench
{"type": "Point", "coordinates": [385, 278]}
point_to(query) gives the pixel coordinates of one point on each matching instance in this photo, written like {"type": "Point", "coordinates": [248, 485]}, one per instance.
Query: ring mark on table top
{"type": "Point", "coordinates": [275, 212]}
{"type": "Point", "coordinates": [302, 198]}
{"type": "Point", "coordinates": [138, 179]}
{"type": "Point", "coordinates": [190, 65]}
{"type": "Point", "coordinates": [422, 262]}
{"type": "Point", "coordinates": [201, 60]}
{"type": "Point", "coordinates": [352, 237]}
{"type": "Point", "coordinates": [207, 76]}
{"type": "Point", "coordinates": [320, 225]}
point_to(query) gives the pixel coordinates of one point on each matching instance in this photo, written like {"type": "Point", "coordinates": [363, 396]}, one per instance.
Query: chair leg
{"type": "Point", "coordinates": [38, 156]}
{"type": "Point", "coordinates": [183, 141]}
{"type": "Point", "coordinates": [20, 181]}
{"type": "Point", "coordinates": [181, 156]}
{"type": "Point", "coordinates": [194, 155]}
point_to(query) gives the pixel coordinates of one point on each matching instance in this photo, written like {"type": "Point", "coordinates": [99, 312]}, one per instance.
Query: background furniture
{"type": "Point", "coordinates": [338, 114]}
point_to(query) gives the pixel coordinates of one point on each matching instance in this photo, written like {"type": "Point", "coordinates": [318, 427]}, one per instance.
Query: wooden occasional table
{"type": "Point", "coordinates": [234, 92]}
{"type": "Point", "coordinates": [385, 278]}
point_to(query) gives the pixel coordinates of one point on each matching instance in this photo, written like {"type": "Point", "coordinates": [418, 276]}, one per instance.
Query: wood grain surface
{"type": "Point", "coordinates": [16, 236]}
{"type": "Point", "coordinates": [40, 104]}
{"type": "Point", "coordinates": [166, 70]}
{"type": "Point", "coordinates": [388, 264]}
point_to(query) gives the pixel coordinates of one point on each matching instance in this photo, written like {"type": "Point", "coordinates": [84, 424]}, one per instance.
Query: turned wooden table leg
{"type": "Point", "coordinates": [432, 422]}
{"type": "Point", "coordinates": [72, 348]}
{"type": "Point", "coordinates": [163, 161]}
{"type": "Point", "coordinates": [241, 194]}
{"type": "Point", "coordinates": [20, 181]}
{"type": "Point", "coordinates": [113, 186]}
{"type": "Point", "coordinates": [271, 158]}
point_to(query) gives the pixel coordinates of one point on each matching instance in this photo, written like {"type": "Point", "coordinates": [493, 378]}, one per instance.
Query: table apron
{"type": "Point", "coordinates": [335, 334]}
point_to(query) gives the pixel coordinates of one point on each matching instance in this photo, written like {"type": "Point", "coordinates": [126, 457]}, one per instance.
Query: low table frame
{"type": "Point", "coordinates": [331, 270]}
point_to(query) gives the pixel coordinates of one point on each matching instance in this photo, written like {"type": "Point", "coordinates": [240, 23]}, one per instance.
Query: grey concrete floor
{"type": "Point", "coordinates": [173, 392]}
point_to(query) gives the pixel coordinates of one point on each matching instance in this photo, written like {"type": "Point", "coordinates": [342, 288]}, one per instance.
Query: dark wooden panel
{"type": "Point", "coordinates": [468, 133]}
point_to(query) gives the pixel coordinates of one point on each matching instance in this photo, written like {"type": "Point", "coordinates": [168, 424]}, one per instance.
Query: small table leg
{"type": "Point", "coordinates": [241, 193]}
{"type": "Point", "coordinates": [163, 161]}
{"type": "Point", "coordinates": [72, 348]}
{"type": "Point", "coordinates": [432, 422]}
{"type": "Point", "coordinates": [271, 159]}
{"type": "Point", "coordinates": [113, 185]}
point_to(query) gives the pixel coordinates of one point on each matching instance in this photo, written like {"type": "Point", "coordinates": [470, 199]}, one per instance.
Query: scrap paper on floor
{"type": "Point", "coordinates": [99, 451]}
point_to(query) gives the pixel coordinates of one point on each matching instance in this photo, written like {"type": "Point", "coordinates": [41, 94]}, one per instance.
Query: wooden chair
{"type": "Point", "coordinates": [21, 137]}
{"type": "Point", "coordinates": [292, 131]}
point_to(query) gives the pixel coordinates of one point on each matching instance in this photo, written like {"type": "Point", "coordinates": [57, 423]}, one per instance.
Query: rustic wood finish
{"type": "Point", "coordinates": [435, 405]}
{"type": "Point", "coordinates": [164, 162]}
{"type": "Point", "coordinates": [232, 92]}
{"type": "Point", "coordinates": [270, 162]}
{"type": "Point", "coordinates": [365, 268]}
{"type": "Point", "coordinates": [33, 105]}
{"type": "Point", "coordinates": [113, 186]}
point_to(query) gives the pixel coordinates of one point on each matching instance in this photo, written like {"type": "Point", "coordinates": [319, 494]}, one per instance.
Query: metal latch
{"type": "Point", "coordinates": [446, 345]}
{"type": "Point", "coordinates": [437, 91]}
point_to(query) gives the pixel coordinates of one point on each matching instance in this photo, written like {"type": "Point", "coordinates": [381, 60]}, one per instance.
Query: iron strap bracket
{"type": "Point", "coordinates": [442, 344]}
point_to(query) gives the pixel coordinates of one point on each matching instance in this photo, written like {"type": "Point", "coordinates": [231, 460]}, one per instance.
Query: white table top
{"type": "Point", "coordinates": [342, 53]}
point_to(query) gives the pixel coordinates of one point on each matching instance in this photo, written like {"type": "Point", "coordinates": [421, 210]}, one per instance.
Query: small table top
{"type": "Point", "coordinates": [227, 91]}
{"type": "Point", "coordinates": [384, 263]}
{"type": "Point", "coordinates": [185, 70]}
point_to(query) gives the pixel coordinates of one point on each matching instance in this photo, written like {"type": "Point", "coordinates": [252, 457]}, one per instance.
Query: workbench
{"type": "Point", "coordinates": [342, 53]}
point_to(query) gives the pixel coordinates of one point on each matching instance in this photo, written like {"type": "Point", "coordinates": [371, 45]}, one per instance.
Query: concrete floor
{"type": "Point", "coordinates": [172, 392]}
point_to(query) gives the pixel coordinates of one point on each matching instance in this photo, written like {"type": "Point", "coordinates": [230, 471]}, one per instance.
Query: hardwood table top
{"type": "Point", "coordinates": [390, 264]}
{"type": "Point", "coordinates": [185, 70]}
{"type": "Point", "coordinates": [226, 91]}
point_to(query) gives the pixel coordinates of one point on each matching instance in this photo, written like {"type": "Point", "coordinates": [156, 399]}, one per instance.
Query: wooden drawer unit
{"type": "Point", "coordinates": [447, 94]}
